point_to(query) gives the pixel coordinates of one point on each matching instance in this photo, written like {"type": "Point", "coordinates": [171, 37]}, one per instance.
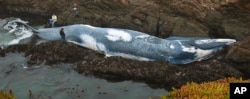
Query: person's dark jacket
{"type": "Point", "coordinates": [62, 33]}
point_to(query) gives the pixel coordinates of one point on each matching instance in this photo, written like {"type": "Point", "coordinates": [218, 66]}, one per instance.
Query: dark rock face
{"type": "Point", "coordinates": [163, 18]}
{"type": "Point", "coordinates": [240, 51]}
{"type": "Point", "coordinates": [157, 74]}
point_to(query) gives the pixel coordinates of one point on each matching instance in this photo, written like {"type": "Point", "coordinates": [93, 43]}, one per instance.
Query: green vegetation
{"type": "Point", "coordinates": [208, 90]}
{"type": "Point", "coordinates": [7, 95]}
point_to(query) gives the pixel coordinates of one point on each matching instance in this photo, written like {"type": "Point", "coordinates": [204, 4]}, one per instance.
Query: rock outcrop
{"type": "Point", "coordinates": [227, 63]}
{"type": "Point", "coordinates": [163, 18]}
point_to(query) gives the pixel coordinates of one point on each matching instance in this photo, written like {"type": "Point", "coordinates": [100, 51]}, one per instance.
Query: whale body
{"type": "Point", "coordinates": [136, 45]}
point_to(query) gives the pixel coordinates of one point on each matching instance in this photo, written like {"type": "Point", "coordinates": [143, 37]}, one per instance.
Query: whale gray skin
{"type": "Point", "coordinates": [137, 45]}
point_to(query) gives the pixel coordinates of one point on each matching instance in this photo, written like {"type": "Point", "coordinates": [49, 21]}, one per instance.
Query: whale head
{"type": "Point", "coordinates": [191, 50]}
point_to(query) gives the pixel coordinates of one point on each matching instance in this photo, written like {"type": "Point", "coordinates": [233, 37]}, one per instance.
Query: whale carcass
{"type": "Point", "coordinates": [135, 45]}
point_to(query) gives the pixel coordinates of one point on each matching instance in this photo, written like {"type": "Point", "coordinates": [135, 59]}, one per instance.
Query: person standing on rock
{"type": "Point", "coordinates": [62, 35]}
{"type": "Point", "coordinates": [76, 9]}
{"type": "Point", "coordinates": [53, 20]}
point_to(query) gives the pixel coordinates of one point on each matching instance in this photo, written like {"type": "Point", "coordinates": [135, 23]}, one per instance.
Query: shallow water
{"type": "Point", "coordinates": [62, 82]}
{"type": "Point", "coordinates": [5, 38]}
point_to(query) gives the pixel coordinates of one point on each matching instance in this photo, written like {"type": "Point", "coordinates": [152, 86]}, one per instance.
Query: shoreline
{"type": "Point", "coordinates": [155, 74]}
{"type": "Point", "coordinates": [60, 81]}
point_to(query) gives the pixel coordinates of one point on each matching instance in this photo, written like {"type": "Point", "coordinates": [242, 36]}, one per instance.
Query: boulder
{"type": "Point", "coordinates": [236, 28]}
{"type": "Point", "coordinates": [191, 28]}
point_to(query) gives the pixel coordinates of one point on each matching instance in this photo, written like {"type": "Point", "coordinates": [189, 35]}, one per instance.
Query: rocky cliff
{"type": "Point", "coordinates": [163, 18]}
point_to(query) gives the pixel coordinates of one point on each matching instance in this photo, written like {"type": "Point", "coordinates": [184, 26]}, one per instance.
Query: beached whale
{"type": "Point", "coordinates": [135, 45]}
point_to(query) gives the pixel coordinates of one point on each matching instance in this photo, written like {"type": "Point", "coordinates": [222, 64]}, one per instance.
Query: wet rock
{"type": "Point", "coordinates": [2, 53]}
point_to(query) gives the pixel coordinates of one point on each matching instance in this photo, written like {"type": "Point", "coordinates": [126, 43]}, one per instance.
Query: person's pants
{"type": "Point", "coordinates": [77, 14]}
{"type": "Point", "coordinates": [63, 39]}
{"type": "Point", "coordinates": [52, 22]}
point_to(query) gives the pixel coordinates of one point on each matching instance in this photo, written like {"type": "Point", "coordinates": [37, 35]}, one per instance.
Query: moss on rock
{"type": "Point", "coordinates": [218, 89]}
{"type": "Point", "coordinates": [6, 95]}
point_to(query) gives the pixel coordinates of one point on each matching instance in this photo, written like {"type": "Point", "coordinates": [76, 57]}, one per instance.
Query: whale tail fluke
{"type": "Point", "coordinates": [25, 24]}
{"type": "Point", "coordinates": [13, 23]}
